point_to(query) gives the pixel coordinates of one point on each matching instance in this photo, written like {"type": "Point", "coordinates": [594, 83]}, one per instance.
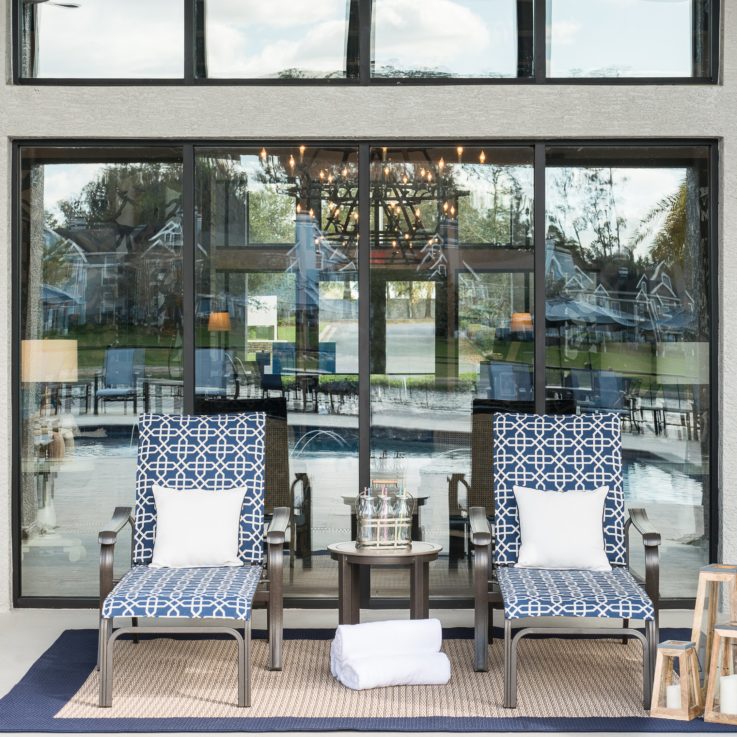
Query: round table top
{"type": "Point", "coordinates": [379, 556]}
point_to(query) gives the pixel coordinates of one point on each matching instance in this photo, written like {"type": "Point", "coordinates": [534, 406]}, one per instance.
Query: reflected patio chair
{"type": "Point", "coordinates": [118, 381]}
{"type": "Point", "coordinates": [585, 451]}
{"type": "Point", "coordinates": [297, 496]}
{"type": "Point", "coordinates": [327, 357]}
{"type": "Point", "coordinates": [269, 381]}
{"type": "Point", "coordinates": [510, 381]}
{"type": "Point", "coordinates": [180, 452]}
{"type": "Point", "coordinates": [213, 368]}
{"type": "Point", "coordinates": [581, 383]}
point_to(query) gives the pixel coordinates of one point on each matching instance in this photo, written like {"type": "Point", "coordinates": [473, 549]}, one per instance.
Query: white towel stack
{"type": "Point", "coordinates": [395, 653]}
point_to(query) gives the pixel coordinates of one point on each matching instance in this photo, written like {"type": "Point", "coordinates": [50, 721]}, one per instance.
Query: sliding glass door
{"type": "Point", "coordinates": [451, 324]}
{"type": "Point", "coordinates": [230, 277]}
{"type": "Point", "coordinates": [276, 328]}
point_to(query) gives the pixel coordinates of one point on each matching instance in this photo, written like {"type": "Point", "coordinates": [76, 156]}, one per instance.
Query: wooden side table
{"type": "Point", "coordinates": [350, 559]}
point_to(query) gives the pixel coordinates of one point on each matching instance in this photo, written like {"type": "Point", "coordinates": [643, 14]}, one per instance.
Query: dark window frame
{"type": "Point", "coordinates": [189, 148]}
{"type": "Point", "coordinates": [194, 49]}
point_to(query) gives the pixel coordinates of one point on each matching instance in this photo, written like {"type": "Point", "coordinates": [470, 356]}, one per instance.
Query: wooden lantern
{"type": "Point", "coordinates": [721, 689]}
{"type": "Point", "coordinates": [677, 699]}
{"type": "Point", "coordinates": [711, 580]}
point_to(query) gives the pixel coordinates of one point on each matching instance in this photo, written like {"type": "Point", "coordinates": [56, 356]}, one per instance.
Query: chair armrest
{"type": "Point", "coordinates": [276, 534]}
{"type": "Point", "coordinates": [651, 540]}
{"type": "Point", "coordinates": [480, 530]}
{"type": "Point", "coordinates": [121, 517]}
{"type": "Point", "coordinates": [108, 537]}
{"type": "Point", "coordinates": [641, 522]}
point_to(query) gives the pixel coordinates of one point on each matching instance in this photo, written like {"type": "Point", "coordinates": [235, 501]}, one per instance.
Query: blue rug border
{"type": "Point", "coordinates": [60, 671]}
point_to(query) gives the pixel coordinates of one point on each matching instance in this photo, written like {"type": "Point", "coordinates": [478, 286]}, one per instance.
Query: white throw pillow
{"type": "Point", "coordinates": [195, 528]}
{"type": "Point", "coordinates": [562, 529]}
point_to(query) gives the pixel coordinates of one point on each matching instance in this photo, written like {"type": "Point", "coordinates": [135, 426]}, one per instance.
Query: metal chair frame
{"type": "Point", "coordinates": [487, 596]}
{"type": "Point", "coordinates": [270, 592]}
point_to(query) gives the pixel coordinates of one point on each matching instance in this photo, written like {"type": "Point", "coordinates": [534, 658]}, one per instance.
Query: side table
{"type": "Point", "coordinates": [350, 559]}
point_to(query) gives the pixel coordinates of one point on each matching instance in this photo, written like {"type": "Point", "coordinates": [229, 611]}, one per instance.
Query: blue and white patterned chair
{"type": "Point", "coordinates": [214, 452]}
{"type": "Point", "coordinates": [561, 453]}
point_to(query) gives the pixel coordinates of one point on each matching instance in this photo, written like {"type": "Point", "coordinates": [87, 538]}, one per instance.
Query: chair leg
{"type": "Point", "coordinates": [99, 642]}
{"type": "Point", "coordinates": [648, 663]}
{"type": "Point", "coordinates": [106, 663]}
{"type": "Point", "coordinates": [481, 608]}
{"type": "Point", "coordinates": [510, 667]}
{"type": "Point", "coordinates": [275, 615]}
{"type": "Point", "coordinates": [134, 623]}
{"type": "Point", "coordinates": [244, 666]}
{"type": "Point", "coordinates": [625, 625]}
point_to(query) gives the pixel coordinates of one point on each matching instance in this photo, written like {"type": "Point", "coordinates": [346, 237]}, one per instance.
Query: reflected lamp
{"type": "Point", "coordinates": [219, 322]}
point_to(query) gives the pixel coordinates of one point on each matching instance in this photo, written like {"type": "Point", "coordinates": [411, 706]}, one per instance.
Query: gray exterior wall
{"type": "Point", "coordinates": [472, 111]}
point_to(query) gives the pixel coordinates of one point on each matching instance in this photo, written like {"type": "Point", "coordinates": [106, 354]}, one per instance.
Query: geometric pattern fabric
{"type": "Point", "coordinates": [193, 593]}
{"type": "Point", "coordinates": [535, 592]}
{"type": "Point", "coordinates": [215, 452]}
{"type": "Point", "coordinates": [557, 453]}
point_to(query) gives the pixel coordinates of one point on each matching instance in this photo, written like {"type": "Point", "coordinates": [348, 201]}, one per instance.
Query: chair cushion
{"type": "Point", "coordinates": [557, 453]}
{"type": "Point", "coordinates": [534, 592]}
{"type": "Point", "coordinates": [209, 452]}
{"type": "Point", "coordinates": [193, 593]}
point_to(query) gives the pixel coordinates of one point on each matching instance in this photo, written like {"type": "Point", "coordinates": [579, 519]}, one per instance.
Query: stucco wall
{"type": "Point", "coordinates": [385, 112]}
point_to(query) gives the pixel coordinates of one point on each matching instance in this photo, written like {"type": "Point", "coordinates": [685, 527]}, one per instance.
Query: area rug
{"type": "Point", "coordinates": [183, 684]}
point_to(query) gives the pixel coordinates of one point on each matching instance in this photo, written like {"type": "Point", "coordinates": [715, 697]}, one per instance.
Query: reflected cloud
{"type": "Point", "coordinates": [253, 39]}
{"type": "Point", "coordinates": [109, 38]}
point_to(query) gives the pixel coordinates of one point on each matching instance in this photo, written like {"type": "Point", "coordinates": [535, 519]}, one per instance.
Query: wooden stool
{"type": "Point", "coordinates": [711, 578]}
{"type": "Point", "coordinates": [687, 693]}
{"type": "Point", "coordinates": [721, 694]}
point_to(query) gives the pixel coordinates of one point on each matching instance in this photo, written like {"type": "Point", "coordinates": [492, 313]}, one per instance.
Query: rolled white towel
{"type": "Point", "coordinates": [405, 669]}
{"type": "Point", "coordinates": [390, 637]}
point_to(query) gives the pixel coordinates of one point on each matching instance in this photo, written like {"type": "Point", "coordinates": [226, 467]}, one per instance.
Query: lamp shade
{"type": "Point", "coordinates": [219, 322]}
{"type": "Point", "coordinates": [48, 361]}
{"type": "Point", "coordinates": [521, 322]}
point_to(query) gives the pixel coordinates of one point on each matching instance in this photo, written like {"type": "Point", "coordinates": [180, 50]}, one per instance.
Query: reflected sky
{"type": "Point", "coordinates": [460, 37]}
{"type": "Point", "coordinates": [635, 38]}
{"type": "Point", "coordinates": [253, 39]}
{"type": "Point", "coordinates": [110, 38]}
{"type": "Point", "coordinates": [635, 192]}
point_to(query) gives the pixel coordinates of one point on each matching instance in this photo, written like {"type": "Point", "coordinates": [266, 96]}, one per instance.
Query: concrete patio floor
{"type": "Point", "coordinates": [26, 633]}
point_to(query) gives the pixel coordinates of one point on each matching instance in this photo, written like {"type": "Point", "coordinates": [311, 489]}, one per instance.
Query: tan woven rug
{"type": "Point", "coordinates": [197, 678]}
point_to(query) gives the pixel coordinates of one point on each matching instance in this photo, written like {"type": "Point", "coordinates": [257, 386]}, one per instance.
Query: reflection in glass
{"type": "Point", "coordinates": [101, 326]}
{"type": "Point", "coordinates": [276, 319]}
{"type": "Point", "coordinates": [451, 311]}
{"type": "Point", "coordinates": [629, 38]}
{"type": "Point", "coordinates": [627, 326]}
{"type": "Point", "coordinates": [250, 39]}
{"type": "Point", "coordinates": [452, 38]}
{"type": "Point", "coordinates": [103, 39]}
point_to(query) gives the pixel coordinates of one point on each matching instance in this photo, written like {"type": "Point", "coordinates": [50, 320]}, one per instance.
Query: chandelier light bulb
{"type": "Point", "coordinates": [291, 161]}
{"type": "Point", "coordinates": [482, 157]}
{"type": "Point", "coordinates": [263, 154]}
{"type": "Point", "coordinates": [441, 164]}
{"type": "Point", "coordinates": [460, 152]}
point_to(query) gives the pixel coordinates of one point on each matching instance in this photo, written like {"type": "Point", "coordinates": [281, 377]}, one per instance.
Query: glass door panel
{"type": "Point", "coordinates": [276, 329]}
{"type": "Point", "coordinates": [101, 325]}
{"type": "Point", "coordinates": [628, 327]}
{"type": "Point", "coordinates": [451, 327]}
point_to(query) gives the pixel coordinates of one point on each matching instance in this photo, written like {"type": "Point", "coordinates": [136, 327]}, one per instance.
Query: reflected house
{"type": "Point", "coordinates": [65, 283]}
{"type": "Point", "coordinates": [619, 298]}
{"type": "Point", "coordinates": [120, 272]}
